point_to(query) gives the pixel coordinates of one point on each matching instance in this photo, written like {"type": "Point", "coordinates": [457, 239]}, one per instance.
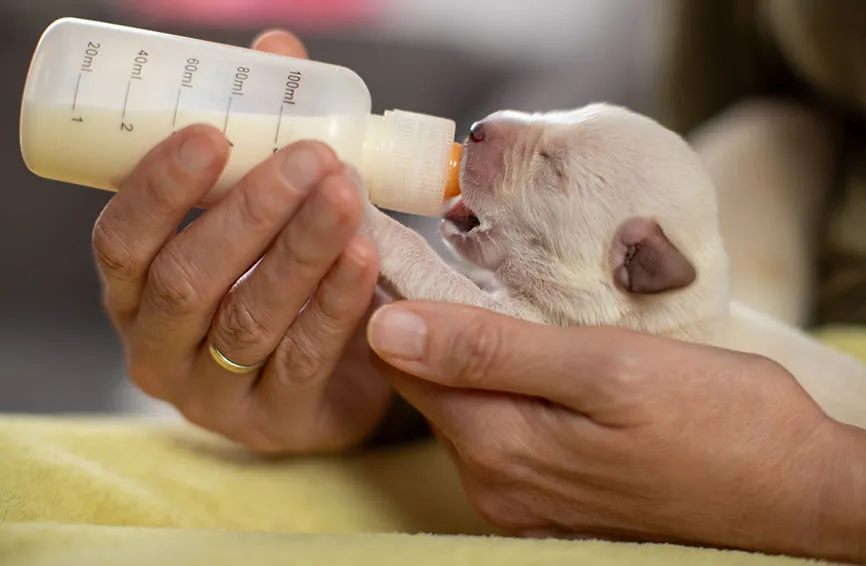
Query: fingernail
{"type": "Point", "coordinates": [197, 154]}
{"type": "Point", "coordinates": [302, 167]}
{"type": "Point", "coordinates": [398, 333]}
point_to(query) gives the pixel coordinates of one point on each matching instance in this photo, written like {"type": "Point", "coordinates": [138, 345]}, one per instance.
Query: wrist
{"type": "Point", "coordinates": [834, 521]}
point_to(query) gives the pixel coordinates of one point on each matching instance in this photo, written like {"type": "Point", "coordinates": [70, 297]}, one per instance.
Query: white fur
{"type": "Point", "coordinates": [771, 162]}
{"type": "Point", "coordinates": [550, 191]}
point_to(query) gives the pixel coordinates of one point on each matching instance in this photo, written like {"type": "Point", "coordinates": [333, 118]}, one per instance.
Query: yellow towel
{"type": "Point", "coordinates": [76, 491]}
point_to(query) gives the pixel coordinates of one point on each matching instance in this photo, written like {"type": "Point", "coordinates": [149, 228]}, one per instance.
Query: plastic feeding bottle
{"type": "Point", "coordinates": [99, 97]}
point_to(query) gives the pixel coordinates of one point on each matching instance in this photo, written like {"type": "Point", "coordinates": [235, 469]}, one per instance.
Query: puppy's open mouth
{"type": "Point", "coordinates": [462, 217]}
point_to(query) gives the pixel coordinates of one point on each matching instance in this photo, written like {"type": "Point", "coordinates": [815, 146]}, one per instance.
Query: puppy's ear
{"type": "Point", "coordinates": [646, 262]}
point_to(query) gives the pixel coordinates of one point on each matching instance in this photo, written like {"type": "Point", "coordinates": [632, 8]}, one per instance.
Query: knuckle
{"type": "Point", "coordinates": [113, 255]}
{"type": "Point", "coordinates": [300, 363]}
{"type": "Point", "coordinates": [162, 186]}
{"type": "Point", "coordinates": [332, 314]}
{"type": "Point", "coordinates": [305, 259]}
{"type": "Point", "coordinates": [172, 289]}
{"type": "Point", "coordinates": [237, 326]}
{"type": "Point", "coordinates": [475, 352]}
{"type": "Point", "coordinates": [255, 207]}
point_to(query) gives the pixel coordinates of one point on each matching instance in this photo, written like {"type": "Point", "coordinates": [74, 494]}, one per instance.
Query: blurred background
{"type": "Point", "coordinates": [455, 58]}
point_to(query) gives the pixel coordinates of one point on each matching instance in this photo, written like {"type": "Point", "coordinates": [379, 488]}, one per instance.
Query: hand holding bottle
{"type": "Point", "coordinates": [213, 319]}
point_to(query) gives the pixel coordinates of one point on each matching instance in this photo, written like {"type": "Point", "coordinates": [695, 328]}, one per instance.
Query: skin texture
{"type": "Point", "coordinates": [610, 433]}
{"type": "Point", "coordinates": [241, 275]}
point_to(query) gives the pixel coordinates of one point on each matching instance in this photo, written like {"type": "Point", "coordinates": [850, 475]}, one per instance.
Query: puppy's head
{"type": "Point", "coordinates": [600, 201]}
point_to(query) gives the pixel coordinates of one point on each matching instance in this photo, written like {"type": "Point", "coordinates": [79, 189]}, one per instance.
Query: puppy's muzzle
{"type": "Point", "coordinates": [462, 217]}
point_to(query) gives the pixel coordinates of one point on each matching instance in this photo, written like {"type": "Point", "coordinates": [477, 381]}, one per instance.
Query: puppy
{"type": "Point", "coordinates": [600, 216]}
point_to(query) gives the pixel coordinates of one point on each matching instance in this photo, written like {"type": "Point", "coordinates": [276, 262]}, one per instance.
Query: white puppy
{"type": "Point", "coordinates": [600, 216]}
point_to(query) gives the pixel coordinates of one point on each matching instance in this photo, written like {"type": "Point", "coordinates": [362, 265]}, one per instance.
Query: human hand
{"type": "Point", "coordinates": [615, 434]}
{"type": "Point", "coordinates": [172, 295]}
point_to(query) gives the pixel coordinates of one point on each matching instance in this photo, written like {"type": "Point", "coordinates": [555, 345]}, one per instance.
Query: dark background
{"type": "Point", "coordinates": [57, 351]}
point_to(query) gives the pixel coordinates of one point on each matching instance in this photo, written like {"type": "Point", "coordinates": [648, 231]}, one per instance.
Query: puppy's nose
{"type": "Point", "coordinates": [477, 132]}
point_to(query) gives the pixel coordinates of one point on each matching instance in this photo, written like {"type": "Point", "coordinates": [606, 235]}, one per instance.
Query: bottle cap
{"type": "Point", "coordinates": [417, 163]}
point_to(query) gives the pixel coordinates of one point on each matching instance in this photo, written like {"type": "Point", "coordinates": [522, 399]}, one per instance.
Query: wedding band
{"type": "Point", "coordinates": [229, 365]}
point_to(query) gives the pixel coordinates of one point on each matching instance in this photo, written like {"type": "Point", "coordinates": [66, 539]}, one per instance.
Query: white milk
{"type": "Point", "coordinates": [101, 150]}
{"type": "Point", "coordinates": [99, 97]}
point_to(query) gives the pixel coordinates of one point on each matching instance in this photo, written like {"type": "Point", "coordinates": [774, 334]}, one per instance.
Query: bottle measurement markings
{"type": "Point", "coordinates": [137, 74]}
{"type": "Point", "coordinates": [91, 52]}
{"type": "Point", "coordinates": [293, 83]}
{"type": "Point", "coordinates": [77, 90]}
{"type": "Point", "coordinates": [187, 80]}
{"type": "Point", "coordinates": [242, 75]}
{"type": "Point", "coordinates": [190, 69]}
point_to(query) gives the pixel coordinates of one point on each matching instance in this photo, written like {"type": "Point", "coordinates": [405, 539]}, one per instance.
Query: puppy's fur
{"type": "Point", "coordinates": [600, 216]}
{"type": "Point", "coordinates": [772, 162]}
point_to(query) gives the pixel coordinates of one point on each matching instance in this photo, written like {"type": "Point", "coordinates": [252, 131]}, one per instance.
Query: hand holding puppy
{"type": "Point", "coordinates": [612, 433]}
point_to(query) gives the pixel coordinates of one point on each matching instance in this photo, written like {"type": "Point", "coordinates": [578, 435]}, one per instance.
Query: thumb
{"type": "Point", "coordinates": [465, 347]}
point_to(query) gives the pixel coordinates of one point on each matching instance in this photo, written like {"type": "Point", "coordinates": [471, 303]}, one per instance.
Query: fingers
{"type": "Point", "coordinates": [470, 348]}
{"type": "Point", "coordinates": [296, 378]}
{"type": "Point", "coordinates": [281, 43]}
{"type": "Point", "coordinates": [256, 313]}
{"type": "Point", "coordinates": [147, 209]}
{"type": "Point", "coordinates": [189, 278]}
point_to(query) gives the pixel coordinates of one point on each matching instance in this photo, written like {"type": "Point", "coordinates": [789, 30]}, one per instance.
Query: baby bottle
{"type": "Point", "coordinates": [99, 97]}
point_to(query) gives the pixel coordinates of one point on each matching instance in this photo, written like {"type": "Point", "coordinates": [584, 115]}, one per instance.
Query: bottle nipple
{"type": "Point", "coordinates": [452, 187]}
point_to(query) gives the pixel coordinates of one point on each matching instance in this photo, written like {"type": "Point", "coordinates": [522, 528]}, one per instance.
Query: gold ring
{"type": "Point", "coordinates": [229, 365]}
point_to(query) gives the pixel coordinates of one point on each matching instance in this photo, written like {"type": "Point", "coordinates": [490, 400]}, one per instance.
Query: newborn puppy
{"type": "Point", "coordinates": [599, 216]}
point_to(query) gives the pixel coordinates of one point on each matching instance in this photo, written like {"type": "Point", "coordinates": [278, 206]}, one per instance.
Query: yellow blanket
{"type": "Point", "coordinates": [112, 491]}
